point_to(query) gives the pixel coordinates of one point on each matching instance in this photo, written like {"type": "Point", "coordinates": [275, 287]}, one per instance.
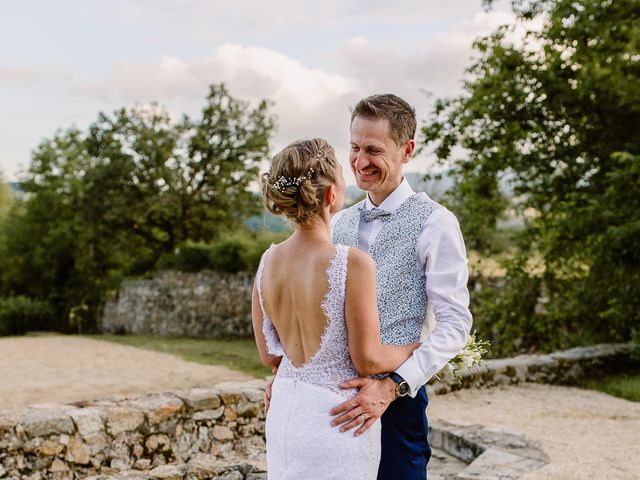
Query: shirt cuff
{"type": "Point", "coordinates": [411, 372]}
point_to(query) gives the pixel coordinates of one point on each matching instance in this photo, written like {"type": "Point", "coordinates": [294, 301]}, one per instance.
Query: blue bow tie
{"type": "Point", "coordinates": [374, 214]}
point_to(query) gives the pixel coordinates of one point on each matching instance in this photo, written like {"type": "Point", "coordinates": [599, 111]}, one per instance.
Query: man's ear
{"type": "Point", "coordinates": [409, 147]}
{"type": "Point", "coordinates": [330, 195]}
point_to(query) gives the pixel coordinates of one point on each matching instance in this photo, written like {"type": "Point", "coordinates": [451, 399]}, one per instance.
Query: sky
{"type": "Point", "coordinates": [61, 63]}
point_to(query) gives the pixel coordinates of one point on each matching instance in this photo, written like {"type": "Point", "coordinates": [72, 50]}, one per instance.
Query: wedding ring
{"type": "Point", "coordinates": [364, 419]}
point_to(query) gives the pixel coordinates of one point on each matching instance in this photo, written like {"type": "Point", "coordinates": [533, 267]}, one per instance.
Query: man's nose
{"type": "Point", "coordinates": [360, 160]}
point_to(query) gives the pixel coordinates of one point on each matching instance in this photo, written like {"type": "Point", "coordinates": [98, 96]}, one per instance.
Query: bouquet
{"type": "Point", "coordinates": [469, 356]}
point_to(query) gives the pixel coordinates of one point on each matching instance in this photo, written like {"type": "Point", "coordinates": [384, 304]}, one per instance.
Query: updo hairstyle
{"type": "Point", "coordinates": [295, 184]}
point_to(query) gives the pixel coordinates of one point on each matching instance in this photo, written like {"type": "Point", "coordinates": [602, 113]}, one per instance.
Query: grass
{"type": "Point", "coordinates": [237, 354]}
{"type": "Point", "coordinates": [624, 385]}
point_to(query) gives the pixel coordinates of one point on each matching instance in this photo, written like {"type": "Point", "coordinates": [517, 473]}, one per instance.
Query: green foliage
{"type": "Point", "coordinates": [5, 198]}
{"type": "Point", "coordinates": [624, 385]}
{"type": "Point", "coordinates": [20, 314]}
{"type": "Point", "coordinates": [237, 354]}
{"type": "Point", "coordinates": [556, 116]}
{"type": "Point", "coordinates": [109, 202]}
{"type": "Point", "coordinates": [233, 252]}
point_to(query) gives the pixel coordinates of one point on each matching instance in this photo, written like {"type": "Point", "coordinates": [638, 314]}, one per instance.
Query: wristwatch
{"type": "Point", "coordinates": [402, 387]}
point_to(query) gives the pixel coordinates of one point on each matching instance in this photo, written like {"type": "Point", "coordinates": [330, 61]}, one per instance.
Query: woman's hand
{"type": "Point", "coordinates": [268, 390]}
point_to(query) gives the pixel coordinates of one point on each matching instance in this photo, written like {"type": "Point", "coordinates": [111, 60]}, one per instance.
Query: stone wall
{"type": "Point", "coordinates": [565, 367]}
{"type": "Point", "coordinates": [195, 428]}
{"type": "Point", "coordinates": [205, 304]}
{"type": "Point", "coordinates": [218, 433]}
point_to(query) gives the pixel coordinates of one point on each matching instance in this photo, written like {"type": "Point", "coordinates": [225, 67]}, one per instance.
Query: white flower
{"type": "Point", "coordinates": [471, 355]}
{"type": "Point", "coordinates": [448, 369]}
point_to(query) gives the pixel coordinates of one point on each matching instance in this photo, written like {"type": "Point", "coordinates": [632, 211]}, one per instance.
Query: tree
{"type": "Point", "coordinates": [109, 202]}
{"type": "Point", "coordinates": [556, 116]}
{"type": "Point", "coordinates": [168, 183]}
{"type": "Point", "coordinates": [5, 198]}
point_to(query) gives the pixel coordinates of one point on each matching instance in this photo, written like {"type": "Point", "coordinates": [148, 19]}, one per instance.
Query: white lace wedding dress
{"type": "Point", "coordinates": [301, 443]}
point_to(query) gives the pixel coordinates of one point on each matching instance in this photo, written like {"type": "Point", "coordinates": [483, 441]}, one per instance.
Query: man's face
{"type": "Point", "coordinates": [375, 158]}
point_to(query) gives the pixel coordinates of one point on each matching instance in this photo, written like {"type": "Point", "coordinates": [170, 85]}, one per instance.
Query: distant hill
{"type": "Point", "coordinates": [16, 190]}
{"type": "Point", "coordinates": [267, 221]}
{"type": "Point", "coordinates": [435, 188]}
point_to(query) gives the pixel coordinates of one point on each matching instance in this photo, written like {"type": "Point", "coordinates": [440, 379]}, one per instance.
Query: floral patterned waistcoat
{"type": "Point", "coordinates": [401, 283]}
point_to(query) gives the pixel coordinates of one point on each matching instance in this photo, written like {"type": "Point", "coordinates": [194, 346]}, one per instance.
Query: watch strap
{"type": "Point", "coordinates": [396, 378]}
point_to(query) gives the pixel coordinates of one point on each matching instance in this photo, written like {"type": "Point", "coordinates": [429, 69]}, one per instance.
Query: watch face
{"type": "Point", "coordinates": [403, 388]}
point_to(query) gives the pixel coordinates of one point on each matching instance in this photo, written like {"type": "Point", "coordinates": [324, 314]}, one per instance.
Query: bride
{"type": "Point", "coordinates": [315, 318]}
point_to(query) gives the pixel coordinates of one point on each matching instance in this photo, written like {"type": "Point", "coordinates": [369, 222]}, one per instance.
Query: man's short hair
{"type": "Point", "coordinates": [401, 115]}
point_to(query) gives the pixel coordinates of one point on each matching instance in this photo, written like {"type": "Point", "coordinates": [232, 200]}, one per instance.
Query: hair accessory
{"type": "Point", "coordinates": [282, 182]}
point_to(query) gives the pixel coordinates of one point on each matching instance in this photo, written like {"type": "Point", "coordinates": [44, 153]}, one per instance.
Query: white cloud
{"type": "Point", "coordinates": [17, 74]}
{"type": "Point", "coordinates": [306, 101]}
{"type": "Point", "coordinates": [299, 57]}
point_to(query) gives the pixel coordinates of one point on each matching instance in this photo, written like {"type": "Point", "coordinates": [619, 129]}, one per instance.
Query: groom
{"type": "Point", "coordinates": [420, 257]}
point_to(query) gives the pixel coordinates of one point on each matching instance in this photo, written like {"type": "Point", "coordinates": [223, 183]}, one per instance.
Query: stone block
{"type": "Point", "coordinates": [249, 410]}
{"type": "Point", "coordinates": [205, 415]}
{"type": "Point", "coordinates": [50, 447]}
{"type": "Point", "coordinates": [97, 442]}
{"type": "Point", "coordinates": [120, 464]}
{"type": "Point", "coordinates": [233, 475]}
{"type": "Point", "coordinates": [7, 423]}
{"type": "Point", "coordinates": [142, 464]}
{"type": "Point", "coordinates": [137, 450]}
{"type": "Point", "coordinates": [222, 433]}
{"type": "Point", "coordinates": [123, 419]}
{"type": "Point", "coordinates": [78, 452]}
{"type": "Point", "coordinates": [201, 398]}
{"type": "Point", "coordinates": [230, 397]}
{"type": "Point", "coordinates": [42, 422]}
{"type": "Point", "coordinates": [230, 413]}
{"type": "Point", "coordinates": [59, 471]}
{"type": "Point", "coordinates": [167, 472]}
{"type": "Point", "coordinates": [88, 421]}
{"type": "Point", "coordinates": [495, 464]}
{"type": "Point", "coordinates": [159, 408]}
{"type": "Point", "coordinates": [254, 395]}
{"type": "Point", "coordinates": [158, 442]}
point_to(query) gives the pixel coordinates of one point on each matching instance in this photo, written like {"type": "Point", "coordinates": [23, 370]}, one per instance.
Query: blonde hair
{"type": "Point", "coordinates": [299, 175]}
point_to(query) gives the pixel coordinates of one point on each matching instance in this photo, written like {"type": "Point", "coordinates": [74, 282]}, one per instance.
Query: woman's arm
{"type": "Point", "coordinates": [368, 354]}
{"type": "Point", "coordinates": [256, 318]}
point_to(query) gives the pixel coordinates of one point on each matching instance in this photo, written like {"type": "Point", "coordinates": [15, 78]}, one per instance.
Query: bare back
{"type": "Point", "coordinates": [294, 285]}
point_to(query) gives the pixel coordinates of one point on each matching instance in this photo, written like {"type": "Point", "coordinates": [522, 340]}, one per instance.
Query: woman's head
{"type": "Point", "coordinates": [297, 182]}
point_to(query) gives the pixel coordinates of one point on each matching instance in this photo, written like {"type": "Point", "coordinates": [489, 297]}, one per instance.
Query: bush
{"type": "Point", "coordinates": [511, 313]}
{"type": "Point", "coordinates": [233, 252]}
{"type": "Point", "coordinates": [21, 314]}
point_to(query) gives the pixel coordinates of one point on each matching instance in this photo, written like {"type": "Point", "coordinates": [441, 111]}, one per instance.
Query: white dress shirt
{"type": "Point", "coordinates": [442, 256]}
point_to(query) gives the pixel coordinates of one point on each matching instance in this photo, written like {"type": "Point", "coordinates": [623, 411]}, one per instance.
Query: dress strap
{"type": "Point", "coordinates": [272, 340]}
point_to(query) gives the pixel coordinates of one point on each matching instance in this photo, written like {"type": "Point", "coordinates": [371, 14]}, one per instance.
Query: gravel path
{"type": "Point", "coordinates": [587, 434]}
{"type": "Point", "coordinates": [58, 369]}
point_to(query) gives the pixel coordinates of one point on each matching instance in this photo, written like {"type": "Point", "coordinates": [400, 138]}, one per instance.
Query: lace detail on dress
{"type": "Point", "coordinates": [274, 347]}
{"type": "Point", "coordinates": [331, 364]}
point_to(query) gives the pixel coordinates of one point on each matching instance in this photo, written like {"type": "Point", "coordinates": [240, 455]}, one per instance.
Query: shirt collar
{"type": "Point", "coordinates": [395, 198]}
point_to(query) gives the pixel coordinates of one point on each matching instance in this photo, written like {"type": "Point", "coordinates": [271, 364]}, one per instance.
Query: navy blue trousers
{"type": "Point", "coordinates": [405, 448]}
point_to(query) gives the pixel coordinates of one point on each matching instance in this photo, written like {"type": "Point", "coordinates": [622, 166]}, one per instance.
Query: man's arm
{"type": "Point", "coordinates": [373, 398]}
{"type": "Point", "coordinates": [442, 252]}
